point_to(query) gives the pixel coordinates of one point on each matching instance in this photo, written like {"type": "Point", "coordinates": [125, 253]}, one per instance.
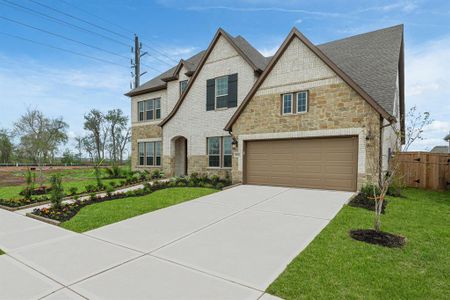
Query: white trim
{"type": "Point", "coordinates": [292, 104]}
{"type": "Point", "coordinates": [149, 140]}
{"type": "Point", "coordinates": [215, 92]}
{"type": "Point", "coordinates": [305, 134]}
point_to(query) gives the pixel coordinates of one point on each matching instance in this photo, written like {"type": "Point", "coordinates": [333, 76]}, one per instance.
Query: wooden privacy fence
{"type": "Point", "coordinates": [425, 170]}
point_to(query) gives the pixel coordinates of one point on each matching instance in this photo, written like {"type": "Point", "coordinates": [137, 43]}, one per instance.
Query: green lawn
{"type": "Point", "coordinates": [101, 214]}
{"type": "Point", "coordinates": [334, 266]}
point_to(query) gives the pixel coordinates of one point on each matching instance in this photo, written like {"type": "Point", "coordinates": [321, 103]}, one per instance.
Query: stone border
{"type": "Point", "coordinates": [24, 206]}
{"type": "Point", "coordinates": [231, 186]}
{"type": "Point", "coordinates": [43, 219]}
{"type": "Point", "coordinates": [66, 198]}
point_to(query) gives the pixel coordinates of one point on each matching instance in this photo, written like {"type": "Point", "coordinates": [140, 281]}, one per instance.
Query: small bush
{"type": "Point", "coordinates": [92, 196]}
{"type": "Point", "coordinates": [76, 197]}
{"type": "Point", "coordinates": [109, 191]}
{"type": "Point", "coordinates": [368, 189]}
{"type": "Point", "coordinates": [220, 186]}
{"type": "Point", "coordinates": [73, 190]}
{"type": "Point", "coordinates": [57, 192]}
{"type": "Point", "coordinates": [156, 173]}
{"type": "Point", "coordinates": [112, 184]}
{"type": "Point", "coordinates": [215, 179]}
{"type": "Point", "coordinates": [122, 182]}
{"type": "Point", "coordinates": [90, 188]}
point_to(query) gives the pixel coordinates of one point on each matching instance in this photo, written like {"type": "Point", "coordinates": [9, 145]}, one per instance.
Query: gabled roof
{"type": "Point", "coordinates": [247, 52]}
{"type": "Point", "coordinates": [371, 60]}
{"type": "Point", "coordinates": [439, 149]}
{"type": "Point", "coordinates": [157, 83]}
{"type": "Point", "coordinates": [256, 60]}
{"type": "Point", "coordinates": [340, 55]}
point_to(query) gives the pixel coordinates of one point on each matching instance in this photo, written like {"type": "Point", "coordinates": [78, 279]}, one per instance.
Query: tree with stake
{"type": "Point", "coordinates": [416, 122]}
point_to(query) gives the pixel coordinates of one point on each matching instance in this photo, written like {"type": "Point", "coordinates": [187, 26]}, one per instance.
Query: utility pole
{"type": "Point", "coordinates": [137, 62]}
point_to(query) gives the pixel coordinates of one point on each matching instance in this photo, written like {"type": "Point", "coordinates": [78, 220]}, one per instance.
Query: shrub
{"type": "Point", "coordinates": [30, 179]}
{"type": "Point", "coordinates": [73, 190]}
{"type": "Point", "coordinates": [122, 182]}
{"type": "Point", "coordinates": [156, 173]}
{"type": "Point", "coordinates": [220, 186]}
{"type": "Point", "coordinates": [215, 179]}
{"type": "Point", "coordinates": [92, 196]}
{"type": "Point", "coordinates": [109, 191]}
{"type": "Point", "coordinates": [76, 197]}
{"type": "Point", "coordinates": [57, 192]}
{"type": "Point", "coordinates": [368, 189]}
{"type": "Point", "coordinates": [112, 184]}
{"type": "Point", "coordinates": [114, 172]}
{"type": "Point", "coordinates": [181, 184]}
{"type": "Point", "coordinates": [90, 188]}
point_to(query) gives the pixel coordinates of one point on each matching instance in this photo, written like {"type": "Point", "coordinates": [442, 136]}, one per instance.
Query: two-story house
{"type": "Point", "coordinates": [324, 116]}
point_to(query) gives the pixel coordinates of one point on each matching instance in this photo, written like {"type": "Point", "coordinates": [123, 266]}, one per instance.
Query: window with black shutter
{"type": "Point", "coordinates": [221, 92]}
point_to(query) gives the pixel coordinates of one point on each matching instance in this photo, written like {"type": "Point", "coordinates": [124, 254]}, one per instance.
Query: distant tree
{"type": "Point", "coordinates": [40, 137]}
{"type": "Point", "coordinates": [68, 157]}
{"type": "Point", "coordinates": [94, 123]}
{"type": "Point", "coordinates": [89, 146]}
{"type": "Point", "coordinates": [123, 139]}
{"type": "Point", "coordinates": [6, 146]}
{"type": "Point", "coordinates": [116, 123]}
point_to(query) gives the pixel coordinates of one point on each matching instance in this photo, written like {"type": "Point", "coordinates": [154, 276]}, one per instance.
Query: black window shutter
{"type": "Point", "coordinates": [232, 90]}
{"type": "Point", "coordinates": [210, 94]}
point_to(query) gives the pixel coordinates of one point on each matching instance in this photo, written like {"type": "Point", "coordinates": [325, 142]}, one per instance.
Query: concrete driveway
{"type": "Point", "coordinates": [229, 245]}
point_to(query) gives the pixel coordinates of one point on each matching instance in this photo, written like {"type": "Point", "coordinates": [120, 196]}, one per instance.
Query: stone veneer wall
{"type": "Point", "coordinates": [332, 106]}
{"type": "Point", "coordinates": [199, 164]}
{"type": "Point", "coordinates": [141, 132]}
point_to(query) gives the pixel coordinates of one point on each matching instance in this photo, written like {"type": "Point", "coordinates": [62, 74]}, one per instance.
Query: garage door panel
{"type": "Point", "coordinates": [326, 163]}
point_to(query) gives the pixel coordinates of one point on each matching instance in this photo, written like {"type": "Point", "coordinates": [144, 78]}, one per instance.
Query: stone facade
{"type": "Point", "coordinates": [334, 106]}
{"type": "Point", "coordinates": [144, 132]}
{"type": "Point", "coordinates": [199, 164]}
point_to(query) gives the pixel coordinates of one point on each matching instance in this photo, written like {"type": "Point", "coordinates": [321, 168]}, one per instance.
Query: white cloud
{"type": "Point", "coordinates": [426, 86]}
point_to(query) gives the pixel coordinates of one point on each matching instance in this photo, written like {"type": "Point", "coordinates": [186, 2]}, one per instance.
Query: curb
{"type": "Point", "coordinates": [43, 219]}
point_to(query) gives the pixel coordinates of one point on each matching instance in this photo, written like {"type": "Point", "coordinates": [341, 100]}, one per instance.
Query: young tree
{"type": "Point", "coordinates": [117, 122]}
{"type": "Point", "coordinates": [416, 122]}
{"type": "Point", "coordinates": [6, 146]}
{"type": "Point", "coordinates": [94, 123]}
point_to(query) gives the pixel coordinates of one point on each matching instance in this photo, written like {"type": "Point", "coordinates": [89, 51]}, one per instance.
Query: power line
{"type": "Point", "coordinates": [35, 12]}
{"type": "Point", "coordinates": [123, 28]}
{"type": "Point", "coordinates": [72, 40]}
{"type": "Point", "coordinates": [62, 37]}
{"type": "Point", "coordinates": [80, 19]}
{"type": "Point", "coordinates": [62, 49]}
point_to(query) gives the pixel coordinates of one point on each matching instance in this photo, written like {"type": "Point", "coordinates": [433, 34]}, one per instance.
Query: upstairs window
{"type": "Point", "coordinates": [294, 103]}
{"type": "Point", "coordinates": [183, 86]}
{"type": "Point", "coordinates": [141, 111]}
{"type": "Point", "coordinates": [287, 104]}
{"type": "Point", "coordinates": [221, 92]}
{"type": "Point", "coordinates": [302, 102]}
{"type": "Point", "coordinates": [149, 110]}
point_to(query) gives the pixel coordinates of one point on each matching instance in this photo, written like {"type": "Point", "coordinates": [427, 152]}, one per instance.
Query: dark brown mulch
{"type": "Point", "coordinates": [378, 238]}
{"type": "Point", "coordinates": [362, 201]}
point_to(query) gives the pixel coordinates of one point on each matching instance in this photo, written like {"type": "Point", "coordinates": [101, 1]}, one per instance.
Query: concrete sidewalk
{"type": "Point", "coordinates": [228, 245]}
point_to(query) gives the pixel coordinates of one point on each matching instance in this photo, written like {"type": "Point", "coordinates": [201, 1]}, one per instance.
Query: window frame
{"type": "Point", "coordinates": [145, 158]}
{"type": "Point", "coordinates": [292, 104]}
{"type": "Point", "coordinates": [221, 154]}
{"type": "Point", "coordinates": [180, 86]}
{"type": "Point", "coordinates": [155, 111]}
{"type": "Point", "coordinates": [306, 102]}
{"type": "Point", "coordinates": [216, 96]}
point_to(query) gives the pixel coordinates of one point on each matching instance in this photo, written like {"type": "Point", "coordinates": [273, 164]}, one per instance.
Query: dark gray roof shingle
{"type": "Point", "coordinates": [371, 60]}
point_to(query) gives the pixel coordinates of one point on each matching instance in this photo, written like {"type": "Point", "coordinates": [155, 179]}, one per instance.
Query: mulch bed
{"type": "Point", "coordinates": [362, 201]}
{"type": "Point", "coordinates": [378, 238]}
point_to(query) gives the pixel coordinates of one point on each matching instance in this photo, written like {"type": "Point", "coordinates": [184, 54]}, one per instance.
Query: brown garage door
{"type": "Point", "coordinates": [323, 163]}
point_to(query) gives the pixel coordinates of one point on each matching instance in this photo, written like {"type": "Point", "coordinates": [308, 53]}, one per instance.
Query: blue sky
{"type": "Point", "coordinates": [67, 85]}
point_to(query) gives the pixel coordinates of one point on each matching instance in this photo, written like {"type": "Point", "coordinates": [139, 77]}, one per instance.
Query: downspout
{"type": "Point", "coordinates": [380, 159]}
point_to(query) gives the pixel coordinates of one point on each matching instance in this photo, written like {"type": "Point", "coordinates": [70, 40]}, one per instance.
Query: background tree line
{"type": "Point", "coordinates": [36, 138]}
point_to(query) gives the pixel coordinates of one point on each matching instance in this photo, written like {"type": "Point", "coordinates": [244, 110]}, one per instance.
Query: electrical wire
{"type": "Point", "coordinates": [62, 49]}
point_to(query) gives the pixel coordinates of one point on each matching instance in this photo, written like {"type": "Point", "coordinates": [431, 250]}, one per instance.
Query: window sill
{"type": "Point", "coordinates": [137, 123]}
{"type": "Point", "coordinates": [146, 166]}
{"type": "Point", "coordinates": [219, 168]}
